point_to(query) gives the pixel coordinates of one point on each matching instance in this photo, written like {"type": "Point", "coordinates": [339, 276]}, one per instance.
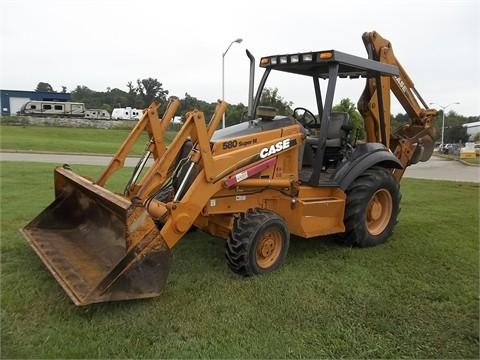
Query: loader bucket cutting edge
{"type": "Point", "coordinates": [95, 246]}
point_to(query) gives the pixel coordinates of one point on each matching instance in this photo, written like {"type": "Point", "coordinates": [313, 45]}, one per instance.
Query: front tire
{"type": "Point", "coordinates": [258, 243]}
{"type": "Point", "coordinates": [372, 207]}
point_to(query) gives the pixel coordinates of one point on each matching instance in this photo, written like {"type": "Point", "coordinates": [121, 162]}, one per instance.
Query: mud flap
{"type": "Point", "coordinates": [97, 245]}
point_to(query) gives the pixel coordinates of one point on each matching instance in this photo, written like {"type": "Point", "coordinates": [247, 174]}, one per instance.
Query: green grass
{"type": "Point", "coordinates": [475, 161]}
{"type": "Point", "coordinates": [76, 140]}
{"type": "Point", "coordinates": [415, 296]}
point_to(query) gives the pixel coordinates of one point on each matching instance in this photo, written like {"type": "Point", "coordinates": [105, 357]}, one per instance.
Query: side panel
{"type": "Point", "coordinates": [313, 212]}
{"type": "Point", "coordinates": [316, 212]}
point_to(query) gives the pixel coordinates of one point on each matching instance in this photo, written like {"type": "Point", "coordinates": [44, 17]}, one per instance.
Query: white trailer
{"type": "Point", "coordinates": [126, 113]}
{"type": "Point", "coordinates": [66, 108]}
{"type": "Point", "coordinates": [99, 114]}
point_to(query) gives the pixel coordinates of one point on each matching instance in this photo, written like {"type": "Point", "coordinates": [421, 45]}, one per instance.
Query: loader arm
{"type": "Point", "coordinates": [411, 142]}
{"type": "Point", "coordinates": [156, 129]}
{"type": "Point", "coordinates": [103, 246]}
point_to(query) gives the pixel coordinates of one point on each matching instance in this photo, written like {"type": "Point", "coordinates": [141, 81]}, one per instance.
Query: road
{"type": "Point", "coordinates": [436, 168]}
{"type": "Point", "coordinates": [61, 159]}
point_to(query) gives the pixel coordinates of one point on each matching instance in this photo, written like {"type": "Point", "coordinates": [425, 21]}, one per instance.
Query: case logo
{"type": "Point", "coordinates": [275, 148]}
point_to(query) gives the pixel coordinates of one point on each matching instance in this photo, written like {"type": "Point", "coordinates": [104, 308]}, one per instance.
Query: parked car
{"type": "Point", "coordinates": [447, 148]}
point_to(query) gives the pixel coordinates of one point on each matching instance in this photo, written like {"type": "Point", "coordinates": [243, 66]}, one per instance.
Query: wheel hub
{"type": "Point", "coordinates": [375, 210]}
{"type": "Point", "coordinates": [379, 211]}
{"type": "Point", "coordinates": [269, 248]}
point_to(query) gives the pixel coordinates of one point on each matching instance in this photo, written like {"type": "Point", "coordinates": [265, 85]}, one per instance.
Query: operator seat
{"type": "Point", "coordinates": [339, 127]}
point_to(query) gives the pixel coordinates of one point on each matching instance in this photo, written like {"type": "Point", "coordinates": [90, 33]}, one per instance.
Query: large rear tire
{"type": "Point", "coordinates": [258, 243]}
{"type": "Point", "coordinates": [372, 207]}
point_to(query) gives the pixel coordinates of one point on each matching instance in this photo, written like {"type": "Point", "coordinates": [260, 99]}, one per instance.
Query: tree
{"type": "Point", "coordinates": [189, 103]}
{"type": "Point", "coordinates": [235, 114]}
{"type": "Point", "coordinates": [133, 99]}
{"type": "Point", "coordinates": [270, 97]}
{"type": "Point", "coordinates": [399, 120]}
{"type": "Point", "coordinates": [64, 89]}
{"type": "Point", "coordinates": [43, 86]}
{"type": "Point", "coordinates": [346, 105]}
{"type": "Point", "coordinates": [83, 94]}
{"type": "Point", "coordinates": [150, 89]}
{"type": "Point", "coordinates": [454, 131]}
{"type": "Point", "coordinates": [117, 98]}
{"type": "Point", "coordinates": [131, 87]}
{"type": "Point", "coordinates": [456, 134]}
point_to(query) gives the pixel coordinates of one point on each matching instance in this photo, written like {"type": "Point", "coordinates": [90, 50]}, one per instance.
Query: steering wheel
{"type": "Point", "coordinates": [306, 118]}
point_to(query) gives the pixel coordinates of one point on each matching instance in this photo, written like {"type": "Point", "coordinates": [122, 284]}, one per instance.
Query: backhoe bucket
{"type": "Point", "coordinates": [97, 245]}
{"type": "Point", "coordinates": [422, 137]}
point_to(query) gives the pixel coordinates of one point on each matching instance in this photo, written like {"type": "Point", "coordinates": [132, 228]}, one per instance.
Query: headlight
{"type": "Point", "coordinates": [307, 57]}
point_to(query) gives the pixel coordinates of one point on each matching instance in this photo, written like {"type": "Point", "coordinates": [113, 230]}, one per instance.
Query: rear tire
{"type": "Point", "coordinates": [372, 207]}
{"type": "Point", "coordinates": [258, 243]}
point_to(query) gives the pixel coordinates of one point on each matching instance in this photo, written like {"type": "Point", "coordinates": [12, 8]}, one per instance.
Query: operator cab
{"type": "Point", "coordinates": [336, 145]}
{"type": "Point", "coordinates": [326, 147]}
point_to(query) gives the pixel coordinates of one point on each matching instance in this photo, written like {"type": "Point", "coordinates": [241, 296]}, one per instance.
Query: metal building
{"type": "Point", "coordinates": [472, 128]}
{"type": "Point", "coordinates": [12, 100]}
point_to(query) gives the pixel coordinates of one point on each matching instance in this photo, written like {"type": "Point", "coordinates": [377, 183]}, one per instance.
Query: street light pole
{"type": "Point", "coordinates": [223, 74]}
{"type": "Point", "coordinates": [443, 118]}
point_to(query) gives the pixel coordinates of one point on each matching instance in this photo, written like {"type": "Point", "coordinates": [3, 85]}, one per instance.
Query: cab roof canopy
{"type": "Point", "coordinates": [317, 64]}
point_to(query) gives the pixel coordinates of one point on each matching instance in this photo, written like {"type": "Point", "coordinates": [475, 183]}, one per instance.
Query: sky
{"type": "Point", "coordinates": [107, 43]}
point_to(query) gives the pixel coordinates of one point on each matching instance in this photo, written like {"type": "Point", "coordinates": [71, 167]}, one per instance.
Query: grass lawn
{"type": "Point", "coordinates": [77, 140]}
{"type": "Point", "coordinates": [475, 161]}
{"type": "Point", "coordinates": [415, 296]}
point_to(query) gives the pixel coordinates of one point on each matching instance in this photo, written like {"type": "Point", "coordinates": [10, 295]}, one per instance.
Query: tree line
{"type": "Point", "coordinates": [142, 92]}
{"type": "Point", "coordinates": [454, 131]}
{"type": "Point", "coordinates": [140, 95]}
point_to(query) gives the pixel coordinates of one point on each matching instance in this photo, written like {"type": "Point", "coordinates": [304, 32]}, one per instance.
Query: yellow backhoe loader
{"type": "Point", "coordinates": [252, 184]}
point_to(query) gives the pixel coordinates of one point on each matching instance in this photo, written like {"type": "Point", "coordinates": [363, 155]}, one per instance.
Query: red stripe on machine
{"type": "Point", "coordinates": [245, 174]}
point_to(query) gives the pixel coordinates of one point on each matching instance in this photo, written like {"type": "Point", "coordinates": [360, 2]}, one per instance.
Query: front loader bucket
{"type": "Point", "coordinates": [97, 245]}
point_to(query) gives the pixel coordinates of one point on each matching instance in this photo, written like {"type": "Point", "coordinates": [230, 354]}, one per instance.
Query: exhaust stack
{"type": "Point", "coordinates": [251, 84]}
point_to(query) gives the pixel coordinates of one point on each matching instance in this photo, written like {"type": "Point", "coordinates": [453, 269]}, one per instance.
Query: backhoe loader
{"type": "Point", "coordinates": [252, 184]}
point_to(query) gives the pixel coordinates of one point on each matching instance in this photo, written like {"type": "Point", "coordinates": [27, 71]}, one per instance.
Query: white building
{"type": "Point", "coordinates": [472, 128]}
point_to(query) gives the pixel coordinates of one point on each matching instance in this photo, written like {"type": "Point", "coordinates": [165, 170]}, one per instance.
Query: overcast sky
{"type": "Point", "coordinates": [107, 43]}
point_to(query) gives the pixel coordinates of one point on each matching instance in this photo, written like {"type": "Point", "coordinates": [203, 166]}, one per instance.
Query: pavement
{"type": "Point", "coordinates": [60, 159]}
{"type": "Point", "coordinates": [437, 168]}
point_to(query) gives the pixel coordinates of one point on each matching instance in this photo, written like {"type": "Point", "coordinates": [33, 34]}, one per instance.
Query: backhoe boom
{"type": "Point", "coordinates": [411, 142]}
